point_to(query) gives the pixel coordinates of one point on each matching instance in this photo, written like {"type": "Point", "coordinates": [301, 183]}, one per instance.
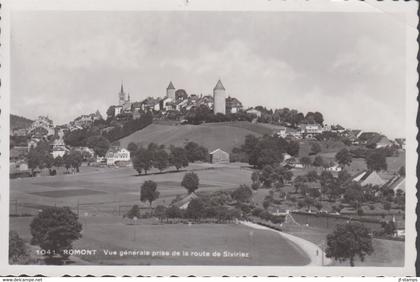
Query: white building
{"type": "Point", "coordinates": [115, 155]}
{"type": "Point", "coordinates": [219, 97]}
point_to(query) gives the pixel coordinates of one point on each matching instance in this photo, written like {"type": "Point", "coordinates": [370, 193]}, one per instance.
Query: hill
{"type": "Point", "coordinates": [18, 122]}
{"type": "Point", "coordinates": [223, 135]}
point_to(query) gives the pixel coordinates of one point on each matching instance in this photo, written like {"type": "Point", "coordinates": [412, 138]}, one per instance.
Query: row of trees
{"type": "Point", "coordinates": [157, 156]}
{"type": "Point", "coordinates": [267, 150]}
{"type": "Point", "coordinates": [203, 114]}
{"type": "Point", "coordinates": [40, 157]}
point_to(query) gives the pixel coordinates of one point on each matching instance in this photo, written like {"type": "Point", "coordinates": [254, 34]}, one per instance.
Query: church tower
{"type": "Point", "coordinates": [219, 97]}
{"type": "Point", "coordinates": [121, 96]}
{"type": "Point", "coordinates": [170, 91]}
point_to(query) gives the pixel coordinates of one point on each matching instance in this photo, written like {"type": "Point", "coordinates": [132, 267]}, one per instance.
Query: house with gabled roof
{"type": "Point", "coordinates": [185, 201]}
{"type": "Point", "coordinates": [219, 156]}
{"type": "Point", "coordinates": [369, 178]}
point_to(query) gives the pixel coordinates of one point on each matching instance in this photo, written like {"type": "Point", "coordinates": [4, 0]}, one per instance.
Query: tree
{"type": "Point", "coordinates": [148, 192]}
{"type": "Point", "coordinates": [35, 159]}
{"type": "Point", "coordinates": [49, 162]}
{"type": "Point", "coordinates": [58, 161]}
{"type": "Point", "coordinates": [299, 183]}
{"type": "Point", "coordinates": [401, 171]}
{"type": "Point", "coordinates": [99, 144]}
{"type": "Point", "coordinates": [242, 194]}
{"type": "Point", "coordinates": [312, 176]}
{"type": "Point", "coordinates": [306, 161]}
{"type": "Point", "coordinates": [343, 157]}
{"type": "Point", "coordinates": [348, 241]}
{"type": "Point", "coordinates": [387, 206]}
{"type": "Point", "coordinates": [54, 229]}
{"type": "Point", "coordinates": [178, 157]}
{"type": "Point", "coordinates": [329, 185]}
{"type": "Point", "coordinates": [376, 160]}
{"type": "Point", "coordinates": [265, 176]}
{"type": "Point", "coordinates": [353, 193]}
{"type": "Point", "coordinates": [18, 253]}
{"type": "Point", "coordinates": [76, 159]}
{"type": "Point", "coordinates": [132, 147]}
{"type": "Point", "coordinates": [133, 212]}
{"type": "Point", "coordinates": [160, 212]}
{"type": "Point", "coordinates": [318, 161]}
{"type": "Point", "coordinates": [142, 160]}
{"type": "Point", "coordinates": [173, 212]}
{"type": "Point", "coordinates": [343, 177]}
{"type": "Point", "coordinates": [195, 209]}
{"type": "Point", "coordinates": [161, 159]}
{"type": "Point", "coordinates": [110, 112]}
{"type": "Point", "coordinates": [315, 149]}
{"type": "Point", "coordinates": [190, 182]}
{"type": "Point", "coordinates": [293, 148]}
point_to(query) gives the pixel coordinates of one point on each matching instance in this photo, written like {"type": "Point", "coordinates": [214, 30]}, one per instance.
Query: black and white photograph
{"type": "Point", "coordinates": [211, 137]}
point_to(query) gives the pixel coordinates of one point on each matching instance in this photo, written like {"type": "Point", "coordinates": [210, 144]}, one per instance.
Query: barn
{"type": "Point", "coordinates": [219, 156]}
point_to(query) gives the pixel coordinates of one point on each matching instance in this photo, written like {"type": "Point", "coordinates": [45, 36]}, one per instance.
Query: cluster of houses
{"type": "Point", "coordinates": [176, 100]}
{"type": "Point", "coordinates": [356, 137]}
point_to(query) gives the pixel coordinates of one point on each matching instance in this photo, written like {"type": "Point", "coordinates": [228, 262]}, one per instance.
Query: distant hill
{"type": "Point", "coordinates": [223, 135]}
{"type": "Point", "coordinates": [18, 122]}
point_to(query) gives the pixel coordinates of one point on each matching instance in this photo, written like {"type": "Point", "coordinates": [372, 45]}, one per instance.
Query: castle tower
{"type": "Point", "coordinates": [170, 91]}
{"type": "Point", "coordinates": [219, 96]}
{"type": "Point", "coordinates": [121, 96]}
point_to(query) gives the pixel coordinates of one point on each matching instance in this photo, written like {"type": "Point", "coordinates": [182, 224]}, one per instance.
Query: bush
{"type": "Point", "coordinates": [54, 229]}
{"type": "Point", "coordinates": [17, 249]}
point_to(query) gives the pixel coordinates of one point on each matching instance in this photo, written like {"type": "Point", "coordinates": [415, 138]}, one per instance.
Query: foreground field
{"type": "Point", "coordinates": [252, 247]}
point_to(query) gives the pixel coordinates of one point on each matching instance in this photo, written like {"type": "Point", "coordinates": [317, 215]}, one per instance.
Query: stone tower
{"type": "Point", "coordinates": [121, 96]}
{"type": "Point", "coordinates": [170, 91]}
{"type": "Point", "coordinates": [219, 96]}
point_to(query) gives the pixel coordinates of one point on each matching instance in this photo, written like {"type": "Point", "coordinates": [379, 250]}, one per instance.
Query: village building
{"type": "Point", "coordinates": [117, 155]}
{"type": "Point", "coordinates": [311, 128]}
{"type": "Point", "coordinates": [400, 142]}
{"type": "Point", "coordinates": [59, 148]}
{"type": "Point", "coordinates": [396, 183]}
{"type": "Point", "coordinates": [233, 105]}
{"type": "Point", "coordinates": [219, 156]}
{"type": "Point", "coordinates": [184, 202]}
{"type": "Point", "coordinates": [369, 178]}
{"type": "Point", "coordinates": [334, 167]}
{"type": "Point", "coordinates": [379, 141]}
{"type": "Point", "coordinates": [219, 96]}
{"type": "Point", "coordinates": [254, 112]}
{"type": "Point", "coordinates": [42, 122]}
{"type": "Point", "coordinates": [170, 92]}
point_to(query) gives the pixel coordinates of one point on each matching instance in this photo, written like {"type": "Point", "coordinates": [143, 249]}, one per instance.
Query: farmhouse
{"type": "Point", "coordinates": [115, 155]}
{"type": "Point", "coordinates": [59, 149]}
{"type": "Point", "coordinates": [334, 167]}
{"type": "Point", "coordinates": [184, 202]}
{"type": "Point", "coordinates": [219, 156]}
{"type": "Point", "coordinates": [254, 111]}
{"type": "Point", "coordinates": [369, 178]}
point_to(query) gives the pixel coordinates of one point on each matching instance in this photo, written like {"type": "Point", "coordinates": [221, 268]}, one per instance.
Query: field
{"type": "Point", "coordinates": [114, 190]}
{"type": "Point", "coordinates": [111, 233]}
{"type": "Point", "coordinates": [223, 135]}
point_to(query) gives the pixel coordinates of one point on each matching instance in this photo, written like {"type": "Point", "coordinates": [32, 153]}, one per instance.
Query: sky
{"type": "Point", "coordinates": [348, 66]}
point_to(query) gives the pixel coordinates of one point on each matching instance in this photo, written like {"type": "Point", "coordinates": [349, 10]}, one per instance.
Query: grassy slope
{"type": "Point", "coordinates": [17, 122]}
{"type": "Point", "coordinates": [212, 135]}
